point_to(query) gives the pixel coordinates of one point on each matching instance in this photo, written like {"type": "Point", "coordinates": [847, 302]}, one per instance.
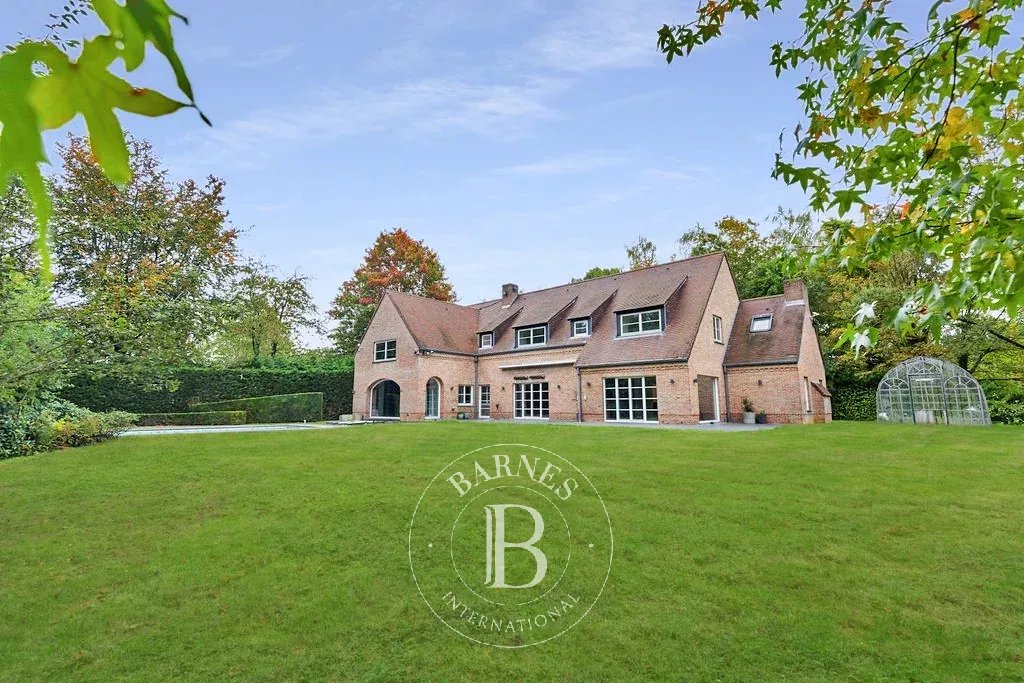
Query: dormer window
{"type": "Point", "coordinates": [640, 322]}
{"type": "Point", "coordinates": [486, 340]}
{"type": "Point", "coordinates": [761, 323]}
{"type": "Point", "coordinates": [531, 336]}
{"type": "Point", "coordinates": [581, 327]}
{"type": "Point", "coordinates": [385, 350]}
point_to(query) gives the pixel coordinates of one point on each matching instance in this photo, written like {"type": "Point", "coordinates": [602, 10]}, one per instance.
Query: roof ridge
{"type": "Point", "coordinates": [427, 298]}
{"type": "Point", "coordinates": [766, 296]}
{"type": "Point", "coordinates": [625, 272]}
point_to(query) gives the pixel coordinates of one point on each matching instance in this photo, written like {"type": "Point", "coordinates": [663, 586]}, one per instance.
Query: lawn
{"type": "Point", "coordinates": [840, 552]}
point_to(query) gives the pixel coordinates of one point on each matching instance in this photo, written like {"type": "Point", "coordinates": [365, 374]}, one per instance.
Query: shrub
{"type": "Point", "coordinates": [209, 417]}
{"type": "Point", "coordinates": [176, 389]}
{"type": "Point", "coordinates": [854, 403]}
{"type": "Point", "coordinates": [280, 408]}
{"type": "Point", "coordinates": [47, 423]}
{"type": "Point", "coordinates": [1006, 411]}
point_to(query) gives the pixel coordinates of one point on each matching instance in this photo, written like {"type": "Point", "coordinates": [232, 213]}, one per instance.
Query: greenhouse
{"type": "Point", "coordinates": [926, 390]}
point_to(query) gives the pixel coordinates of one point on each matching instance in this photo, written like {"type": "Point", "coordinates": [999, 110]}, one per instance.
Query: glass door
{"type": "Point", "coordinates": [433, 410]}
{"type": "Point", "coordinates": [485, 401]}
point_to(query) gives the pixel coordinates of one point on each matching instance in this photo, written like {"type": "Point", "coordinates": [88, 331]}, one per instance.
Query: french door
{"type": "Point", "coordinates": [530, 399]}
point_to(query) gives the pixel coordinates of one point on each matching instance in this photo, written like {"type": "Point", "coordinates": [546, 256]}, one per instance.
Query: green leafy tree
{"type": "Point", "coordinates": [926, 121]}
{"type": "Point", "coordinates": [140, 265]}
{"type": "Point", "coordinates": [395, 261]}
{"type": "Point", "coordinates": [597, 271]}
{"type": "Point", "coordinates": [641, 254]}
{"type": "Point", "coordinates": [42, 87]}
{"type": "Point", "coordinates": [265, 315]}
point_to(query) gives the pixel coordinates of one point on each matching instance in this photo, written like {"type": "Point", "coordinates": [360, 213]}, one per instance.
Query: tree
{"type": "Point", "coordinates": [43, 88]}
{"type": "Point", "coordinates": [265, 315]}
{"type": "Point", "coordinates": [642, 254]}
{"type": "Point", "coordinates": [929, 123]}
{"type": "Point", "coordinates": [141, 264]}
{"type": "Point", "coordinates": [597, 271]}
{"type": "Point", "coordinates": [395, 261]}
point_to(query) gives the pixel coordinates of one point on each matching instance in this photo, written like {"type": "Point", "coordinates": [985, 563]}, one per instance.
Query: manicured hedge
{"type": "Point", "coordinates": [854, 403]}
{"type": "Point", "coordinates": [282, 408]}
{"type": "Point", "coordinates": [209, 417]}
{"type": "Point", "coordinates": [177, 389]}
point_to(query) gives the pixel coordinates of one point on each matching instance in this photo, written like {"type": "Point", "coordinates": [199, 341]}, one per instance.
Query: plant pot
{"type": "Point", "coordinates": [761, 419]}
{"type": "Point", "coordinates": [748, 418]}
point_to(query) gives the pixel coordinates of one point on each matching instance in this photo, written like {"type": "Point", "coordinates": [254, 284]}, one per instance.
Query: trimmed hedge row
{"type": "Point", "coordinates": [181, 388]}
{"type": "Point", "coordinates": [208, 417]}
{"type": "Point", "coordinates": [280, 408]}
{"type": "Point", "coordinates": [854, 403]}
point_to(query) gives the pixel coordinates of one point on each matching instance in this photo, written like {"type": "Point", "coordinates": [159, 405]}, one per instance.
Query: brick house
{"type": "Point", "coordinates": [671, 343]}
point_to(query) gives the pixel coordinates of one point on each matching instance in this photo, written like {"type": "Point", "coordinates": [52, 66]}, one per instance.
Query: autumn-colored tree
{"type": "Point", "coordinates": [924, 117]}
{"type": "Point", "coordinates": [396, 261]}
{"type": "Point", "coordinates": [642, 253]}
{"type": "Point", "coordinates": [140, 263]}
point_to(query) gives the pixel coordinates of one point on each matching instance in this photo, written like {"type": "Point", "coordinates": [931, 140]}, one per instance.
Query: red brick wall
{"type": "Point", "coordinates": [707, 355]}
{"type": "Point", "coordinates": [674, 405]}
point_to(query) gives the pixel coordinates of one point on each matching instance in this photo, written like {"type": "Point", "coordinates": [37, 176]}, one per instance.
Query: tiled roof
{"type": "Point", "coordinates": [682, 287]}
{"type": "Point", "coordinates": [437, 325]}
{"type": "Point", "coordinates": [781, 344]}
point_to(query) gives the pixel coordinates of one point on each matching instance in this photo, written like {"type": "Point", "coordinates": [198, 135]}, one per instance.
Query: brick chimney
{"type": "Point", "coordinates": [509, 292]}
{"type": "Point", "coordinates": [795, 290]}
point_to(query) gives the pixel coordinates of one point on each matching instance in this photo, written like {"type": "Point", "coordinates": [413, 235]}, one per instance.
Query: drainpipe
{"type": "Point", "coordinates": [725, 375]}
{"type": "Point", "coordinates": [579, 395]}
{"type": "Point", "coordinates": [476, 386]}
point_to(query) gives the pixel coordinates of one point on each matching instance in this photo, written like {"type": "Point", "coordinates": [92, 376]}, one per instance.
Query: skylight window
{"type": "Point", "coordinates": [761, 323]}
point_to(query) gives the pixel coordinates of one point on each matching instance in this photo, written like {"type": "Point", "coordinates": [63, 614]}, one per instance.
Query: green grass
{"type": "Point", "coordinates": [843, 551]}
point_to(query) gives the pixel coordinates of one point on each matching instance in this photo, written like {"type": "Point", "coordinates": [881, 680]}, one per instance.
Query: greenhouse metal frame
{"type": "Point", "coordinates": [925, 390]}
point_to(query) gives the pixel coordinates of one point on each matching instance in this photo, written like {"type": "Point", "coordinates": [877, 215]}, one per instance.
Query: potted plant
{"type": "Point", "coordinates": [762, 418]}
{"type": "Point", "coordinates": [748, 412]}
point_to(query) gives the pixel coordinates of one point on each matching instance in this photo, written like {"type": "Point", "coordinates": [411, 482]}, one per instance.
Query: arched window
{"type": "Point", "coordinates": [926, 390]}
{"type": "Point", "coordinates": [433, 404]}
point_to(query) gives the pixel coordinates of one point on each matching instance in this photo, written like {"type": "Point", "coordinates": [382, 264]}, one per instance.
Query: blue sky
{"type": "Point", "coordinates": [525, 141]}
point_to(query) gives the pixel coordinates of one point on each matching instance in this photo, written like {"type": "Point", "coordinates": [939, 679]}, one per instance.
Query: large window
{"type": "Point", "coordinates": [531, 399]}
{"type": "Point", "coordinates": [716, 328]}
{"type": "Point", "coordinates": [640, 322]}
{"type": "Point", "coordinates": [385, 350]}
{"type": "Point", "coordinates": [486, 340]}
{"type": "Point", "coordinates": [631, 399]}
{"type": "Point", "coordinates": [532, 336]}
{"type": "Point", "coordinates": [465, 394]}
{"type": "Point", "coordinates": [581, 328]}
{"type": "Point", "coordinates": [761, 323]}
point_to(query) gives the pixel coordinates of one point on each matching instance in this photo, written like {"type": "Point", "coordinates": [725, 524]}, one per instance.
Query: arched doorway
{"type": "Point", "coordinates": [385, 399]}
{"type": "Point", "coordinates": [433, 403]}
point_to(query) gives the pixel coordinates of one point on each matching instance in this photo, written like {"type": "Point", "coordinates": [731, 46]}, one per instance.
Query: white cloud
{"type": "Point", "coordinates": [432, 105]}
{"type": "Point", "coordinates": [265, 57]}
{"type": "Point", "coordinates": [565, 165]}
{"type": "Point", "coordinates": [603, 34]}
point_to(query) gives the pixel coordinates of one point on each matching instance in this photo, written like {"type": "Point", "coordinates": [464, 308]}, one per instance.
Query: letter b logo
{"type": "Point", "coordinates": [497, 545]}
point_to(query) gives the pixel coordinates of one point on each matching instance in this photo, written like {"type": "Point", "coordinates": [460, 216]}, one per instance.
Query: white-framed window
{"type": "Point", "coordinates": [385, 350]}
{"type": "Point", "coordinates": [465, 394]}
{"type": "Point", "coordinates": [716, 328]}
{"type": "Point", "coordinates": [640, 322]}
{"type": "Point", "coordinates": [486, 340]}
{"type": "Point", "coordinates": [631, 399]}
{"type": "Point", "coordinates": [530, 399]}
{"type": "Point", "coordinates": [532, 336]}
{"type": "Point", "coordinates": [761, 323]}
{"type": "Point", "coordinates": [581, 327]}
{"type": "Point", "coordinates": [485, 400]}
